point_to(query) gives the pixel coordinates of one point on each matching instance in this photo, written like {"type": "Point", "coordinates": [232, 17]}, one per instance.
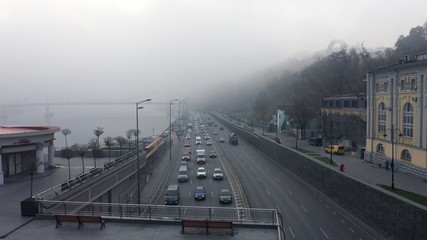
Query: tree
{"type": "Point", "coordinates": [129, 134]}
{"type": "Point", "coordinates": [66, 131]}
{"type": "Point", "coordinates": [120, 141]}
{"type": "Point", "coordinates": [109, 141]}
{"type": "Point", "coordinates": [98, 132]}
{"type": "Point", "coordinates": [67, 153]}
{"type": "Point", "coordinates": [93, 146]}
{"type": "Point", "coordinates": [80, 149]}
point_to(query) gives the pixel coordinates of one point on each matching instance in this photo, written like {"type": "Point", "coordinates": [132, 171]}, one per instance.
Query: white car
{"type": "Point", "coordinates": [217, 174]}
{"type": "Point", "coordinates": [201, 172]}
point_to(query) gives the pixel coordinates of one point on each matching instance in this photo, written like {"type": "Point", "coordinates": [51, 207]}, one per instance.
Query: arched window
{"type": "Point", "coordinates": [405, 155]}
{"type": "Point", "coordinates": [381, 117]}
{"type": "Point", "coordinates": [408, 120]}
{"type": "Point", "coordinates": [380, 148]}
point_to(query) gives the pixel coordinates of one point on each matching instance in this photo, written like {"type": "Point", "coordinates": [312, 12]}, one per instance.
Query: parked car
{"type": "Point", "coordinates": [200, 193]}
{"type": "Point", "coordinates": [335, 149]}
{"type": "Point", "coordinates": [221, 128]}
{"type": "Point", "coordinates": [221, 140]}
{"type": "Point", "coordinates": [225, 196]}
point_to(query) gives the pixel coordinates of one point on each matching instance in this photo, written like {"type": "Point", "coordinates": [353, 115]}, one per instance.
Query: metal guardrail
{"type": "Point", "coordinates": [57, 190]}
{"type": "Point", "coordinates": [158, 212]}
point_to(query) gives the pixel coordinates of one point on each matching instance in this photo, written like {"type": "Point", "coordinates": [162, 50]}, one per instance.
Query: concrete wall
{"type": "Point", "coordinates": [392, 217]}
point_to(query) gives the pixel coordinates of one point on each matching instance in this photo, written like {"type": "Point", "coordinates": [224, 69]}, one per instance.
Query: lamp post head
{"type": "Point", "coordinates": [384, 135]}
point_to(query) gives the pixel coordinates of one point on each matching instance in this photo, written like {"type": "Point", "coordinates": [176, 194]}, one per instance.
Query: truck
{"type": "Point", "coordinates": [201, 158]}
{"type": "Point", "coordinates": [233, 139]}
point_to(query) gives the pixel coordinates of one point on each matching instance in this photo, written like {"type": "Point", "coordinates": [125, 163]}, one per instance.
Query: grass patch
{"type": "Point", "coordinates": [327, 161]}
{"type": "Point", "coordinates": [406, 194]}
{"type": "Point", "coordinates": [303, 150]}
{"type": "Point", "coordinates": [314, 154]}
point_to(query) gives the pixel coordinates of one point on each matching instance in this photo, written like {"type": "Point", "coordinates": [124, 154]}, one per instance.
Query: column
{"type": "Point", "coordinates": [39, 158]}
{"type": "Point", "coordinates": [51, 156]}
{"type": "Point", "coordinates": [1, 170]}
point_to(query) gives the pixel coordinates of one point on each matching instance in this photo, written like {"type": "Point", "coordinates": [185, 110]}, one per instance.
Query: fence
{"type": "Point", "coordinates": [158, 212]}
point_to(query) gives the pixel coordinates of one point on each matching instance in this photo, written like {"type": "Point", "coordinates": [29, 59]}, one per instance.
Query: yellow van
{"type": "Point", "coordinates": [335, 149]}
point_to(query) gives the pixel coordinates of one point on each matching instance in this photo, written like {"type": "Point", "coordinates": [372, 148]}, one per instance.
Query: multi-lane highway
{"type": "Point", "coordinates": [306, 213]}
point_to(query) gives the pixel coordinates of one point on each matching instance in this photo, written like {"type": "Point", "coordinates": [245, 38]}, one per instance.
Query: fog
{"type": "Point", "coordinates": [128, 50]}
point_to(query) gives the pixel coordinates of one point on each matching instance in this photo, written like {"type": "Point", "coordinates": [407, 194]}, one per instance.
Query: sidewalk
{"type": "Point", "coordinates": [356, 167]}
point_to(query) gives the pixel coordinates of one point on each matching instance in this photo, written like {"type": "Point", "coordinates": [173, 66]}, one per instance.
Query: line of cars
{"type": "Point", "coordinates": [225, 196]}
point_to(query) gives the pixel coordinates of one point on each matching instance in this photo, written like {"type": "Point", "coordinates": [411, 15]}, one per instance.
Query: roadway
{"type": "Point", "coordinates": [307, 214]}
{"type": "Point", "coordinates": [212, 187]}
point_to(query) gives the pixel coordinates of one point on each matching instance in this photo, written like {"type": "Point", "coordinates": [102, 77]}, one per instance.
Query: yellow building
{"type": "Point", "coordinates": [397, 116]}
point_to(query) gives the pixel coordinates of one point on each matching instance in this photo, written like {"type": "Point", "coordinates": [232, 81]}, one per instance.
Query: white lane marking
{"type": "Point", "coordinates": [212, 194]}
{"type": "Point", "coordinates": [303, 208]}
{"type": "Point", "coordinates": [191, 181]}
{"type": "Point", "coordinates": [351, 230]}
{"type": "Point", "coordinates": [268, 192]}
{"type": "Point", "coordinates": [189, 194]}
{"type": "Point", "coordinates": [327, 206]}
{"type": "Point", "coordinates": [276, 179]}
{"type": "Point", "coordinates": [210, 180]}
{"type": "Point", "coordinates": [278, 209]}
{"type": "Point", "coordinates": [293, 235]}
{"type": "Point", "coordinates": [290, 193]}
{"type": "Point", "coordinates": [342, 221]}
{"type": "Point", "coordinates": [334, 213]}
{"type": "Point", "coordinates": [259, 180]}
{"type": "Point", "coordinates": [324, 233]}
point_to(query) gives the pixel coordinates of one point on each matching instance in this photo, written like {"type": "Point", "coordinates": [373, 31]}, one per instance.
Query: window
{"type": "Point", "coordinates": [377, 87]}
{"type": "Point", "coordinates": [413, 85]}
{"type": "Point", "coordinates": [382, 117]}
{"type": "Point", "coordinates": [380, 148]}
{"type": "Point", "coordinates": [405, 155]}
{"type": "Point", "coordinates": [353, 103]}
{"type": "Point", "coordinates": [337, 103]}
{"type": "Point", "coordinates": [402, 84]}
{"type": "Point", "coordinates": [385, 87]}
{"type": "Point", "coordinates": [408, 120]}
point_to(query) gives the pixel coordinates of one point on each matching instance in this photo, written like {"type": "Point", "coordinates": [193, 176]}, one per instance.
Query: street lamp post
{"type": "Point", "coordinates": [392, 131]}
{"type": "Point", "coordinates": [137, 146]}
{"type": "Point", "coordinates": [170, 128]}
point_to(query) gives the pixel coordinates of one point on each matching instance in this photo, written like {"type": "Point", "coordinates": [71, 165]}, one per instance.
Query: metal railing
{"type": "Point", "coordinates": [55, 191]}
{"type": "Point", "coordinates": [158, 212]}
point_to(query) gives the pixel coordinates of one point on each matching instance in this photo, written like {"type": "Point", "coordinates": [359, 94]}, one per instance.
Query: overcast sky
{"type": "Point", "coordinates": [170, 48]}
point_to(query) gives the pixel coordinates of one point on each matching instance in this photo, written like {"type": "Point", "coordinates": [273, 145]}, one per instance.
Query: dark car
{"type": "Point", "coordinates": [225, 196]}
{"type": "Point", "coordinates": [200, 193]}
{"type": "Point", "coordinates": [212, 154]}
{"type": "Point", "coordinates": [221, 128]}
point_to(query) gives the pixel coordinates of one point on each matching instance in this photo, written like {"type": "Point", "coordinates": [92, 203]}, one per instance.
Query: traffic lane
{"type": "Point", "coordinates": [275, 181]}
{"type": "Point", "coordinates": [187, 188]}
{"type": "Point", "coordinates": [261, 195]}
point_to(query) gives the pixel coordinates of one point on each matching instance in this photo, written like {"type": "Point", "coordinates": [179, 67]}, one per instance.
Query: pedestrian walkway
{"type": "Point", "coordinates": [358, 168]}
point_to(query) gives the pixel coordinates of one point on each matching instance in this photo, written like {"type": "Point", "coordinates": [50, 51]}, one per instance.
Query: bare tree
{"type": "Point", "coordinates": [98, 132]}
{"type": "Point", "coordinates": [129, 134]}
{"type": "Point", "coordinates": [67, 153]}
{"type": "Point", "coordinates": [80, 149]}
{"type": "Point", "coordinates": [93, 146]}
{"type": "Point", "coordinates": [109, 141]}
{"type": "Point", "coordinates": [66, 131]}
{"type": "Point", "coordinates": [120, 141]}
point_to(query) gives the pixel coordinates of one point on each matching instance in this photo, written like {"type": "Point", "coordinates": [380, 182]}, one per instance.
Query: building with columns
{"type": "Point", "coordinates": [21, 149]}
{"type": "Point", "coordinates": [397, 115]}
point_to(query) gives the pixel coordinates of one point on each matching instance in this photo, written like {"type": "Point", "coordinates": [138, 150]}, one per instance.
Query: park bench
{"type": "Point", "coordinates": [79, 219]}
{"type": "Point", "coordinates": [206, 224]}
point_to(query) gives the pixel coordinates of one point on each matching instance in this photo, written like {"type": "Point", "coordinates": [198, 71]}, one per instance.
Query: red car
{"type": "Point", "coordinates": [187, 150]}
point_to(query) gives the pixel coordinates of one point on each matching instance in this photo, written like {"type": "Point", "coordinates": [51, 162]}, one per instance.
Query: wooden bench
{"type": "Point", "coordinates": [206, 224]}
{"type": "Point", "coordinates": [79, 219]}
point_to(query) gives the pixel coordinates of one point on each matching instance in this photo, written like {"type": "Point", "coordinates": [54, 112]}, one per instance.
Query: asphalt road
{"type": "Point", "coordinates": [307, 214]}
{"type": "Point", "coordinates": [212, 187]}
